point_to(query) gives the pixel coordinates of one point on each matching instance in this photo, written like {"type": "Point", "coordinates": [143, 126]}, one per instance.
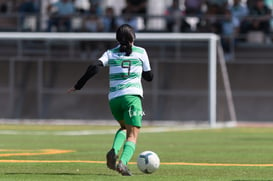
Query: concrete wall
{"type": "Point", "coordinates": [179, 91]}
{"type": "Point", "coordinates": [251, 84]}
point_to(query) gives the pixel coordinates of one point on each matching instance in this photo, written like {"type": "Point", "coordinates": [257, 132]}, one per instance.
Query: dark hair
{"type": "Point", "coordinates": [125, 35]}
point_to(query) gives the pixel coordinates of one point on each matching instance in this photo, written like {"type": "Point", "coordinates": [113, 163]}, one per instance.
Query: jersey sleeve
{"type": "Point", "coordinates": [104, 58]}
{"type": "Point", "coordinates": [146, 62]}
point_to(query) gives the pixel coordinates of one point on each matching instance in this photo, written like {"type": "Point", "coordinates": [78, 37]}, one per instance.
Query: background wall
{"type": "Point", "coordinates": [179, 91]}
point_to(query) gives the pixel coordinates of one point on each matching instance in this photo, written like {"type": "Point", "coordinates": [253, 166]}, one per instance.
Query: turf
{"type": "Point", "coordinates": [225, 146]}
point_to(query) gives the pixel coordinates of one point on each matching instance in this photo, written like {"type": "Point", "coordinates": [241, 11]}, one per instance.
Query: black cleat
{"type": "Point", "coordinates": [123, 169]}
{"type": "Point", "coordinates": [111, 159]}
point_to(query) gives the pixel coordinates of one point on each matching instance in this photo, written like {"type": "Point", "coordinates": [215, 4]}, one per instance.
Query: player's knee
{"type": "Point", "coordinates": [132, 139]}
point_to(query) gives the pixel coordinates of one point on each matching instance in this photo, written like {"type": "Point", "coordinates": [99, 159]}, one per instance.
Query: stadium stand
{"type": "Point", "coordinates": [250, 68]}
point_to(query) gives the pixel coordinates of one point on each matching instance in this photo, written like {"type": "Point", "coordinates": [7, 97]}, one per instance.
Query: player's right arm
{"type": "Point", "coordinates": [92, 70]}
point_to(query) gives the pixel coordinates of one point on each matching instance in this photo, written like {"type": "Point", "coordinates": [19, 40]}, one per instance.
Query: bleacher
{"type": "Point", "coordinates": [34, 76]}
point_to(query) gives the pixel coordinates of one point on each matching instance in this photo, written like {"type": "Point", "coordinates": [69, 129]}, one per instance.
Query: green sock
{"type": "Point", "coordinates": [119, 140]}
{"type": "Point", "coordinates": [128, 151]}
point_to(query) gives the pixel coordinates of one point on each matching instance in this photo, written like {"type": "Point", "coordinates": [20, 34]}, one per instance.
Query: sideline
{"type": "Point", "coordinates": [156, 129]}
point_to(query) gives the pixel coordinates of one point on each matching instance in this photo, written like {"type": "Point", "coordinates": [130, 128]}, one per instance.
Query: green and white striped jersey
{"type": "Point", "coordinates": [125, 72]}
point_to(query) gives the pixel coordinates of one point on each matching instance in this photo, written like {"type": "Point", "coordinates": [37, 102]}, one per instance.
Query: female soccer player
{"type": "Point", "coordinates": [127, 65]}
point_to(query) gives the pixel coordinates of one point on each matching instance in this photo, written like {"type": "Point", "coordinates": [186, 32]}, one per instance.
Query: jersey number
{"type": "Point", "coordinates": [126, 64]}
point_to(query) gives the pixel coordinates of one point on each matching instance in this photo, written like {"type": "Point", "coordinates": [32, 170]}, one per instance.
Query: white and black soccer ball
{"type": "Point", "coordinates": [148, 162]}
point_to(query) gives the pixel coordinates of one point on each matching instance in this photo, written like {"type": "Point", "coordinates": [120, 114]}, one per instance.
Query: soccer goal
{"type": "Point", "coordinates": [214, 59]}
{"type": "Point", "coordinates": [215, 52]}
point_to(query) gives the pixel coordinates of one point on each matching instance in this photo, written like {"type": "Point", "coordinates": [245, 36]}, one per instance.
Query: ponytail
{"type": "Point", "coordinates": [125, 35]}
{"type": "Point", "coordinates": [125, 47]}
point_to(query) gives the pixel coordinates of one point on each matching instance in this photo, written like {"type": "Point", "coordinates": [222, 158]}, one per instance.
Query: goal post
{"type": "Point", "coordinates": [214, 52]}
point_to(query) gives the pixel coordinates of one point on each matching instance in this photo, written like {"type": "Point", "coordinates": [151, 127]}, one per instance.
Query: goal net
{"type": "Point", "coordinates": [191, 80]}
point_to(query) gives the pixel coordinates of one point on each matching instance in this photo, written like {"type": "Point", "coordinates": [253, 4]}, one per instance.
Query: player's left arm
{"type": "Point", "coordinates": [147, 73]}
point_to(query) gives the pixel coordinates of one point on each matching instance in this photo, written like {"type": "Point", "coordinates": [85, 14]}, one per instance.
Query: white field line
{"type": "Point", "coordinates": [156, 127]}
{"type": "Point", "coordinates": [94, 132]}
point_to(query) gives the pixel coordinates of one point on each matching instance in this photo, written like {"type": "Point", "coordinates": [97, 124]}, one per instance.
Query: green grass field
{"type": "Point", "coordinates": [30, 152]}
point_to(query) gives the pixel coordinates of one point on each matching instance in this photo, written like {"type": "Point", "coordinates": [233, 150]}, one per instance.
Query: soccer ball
{"type": "Point", "coordinates": [148, 162]}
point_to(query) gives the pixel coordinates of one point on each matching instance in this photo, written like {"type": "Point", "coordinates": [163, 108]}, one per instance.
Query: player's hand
{"type": "Point", "coordinates": [71, 90]}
